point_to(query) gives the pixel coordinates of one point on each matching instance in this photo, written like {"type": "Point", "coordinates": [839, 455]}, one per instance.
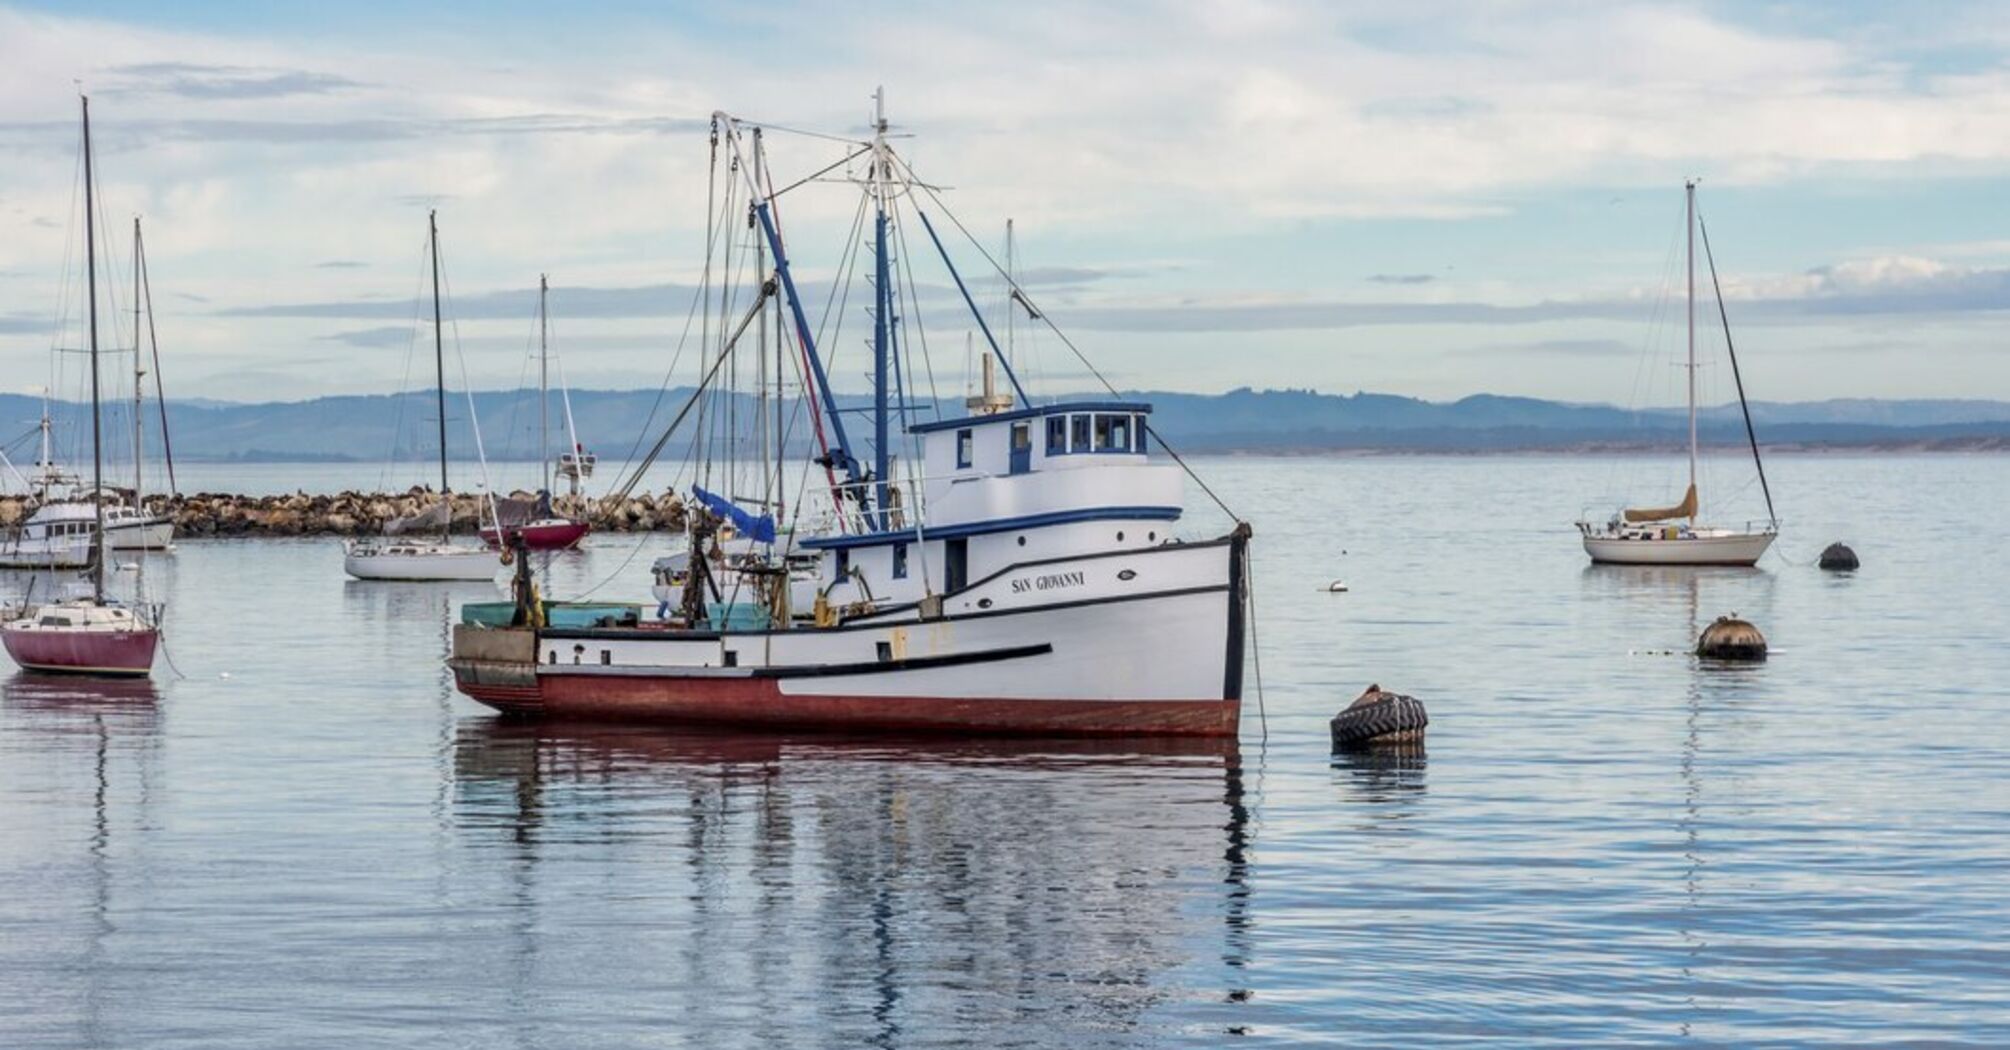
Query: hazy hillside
{"type": "Point", "coordinates": [381, 427]}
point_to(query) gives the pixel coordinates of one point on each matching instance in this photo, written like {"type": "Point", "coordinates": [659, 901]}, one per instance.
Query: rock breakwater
{"type": "Point", "coordinates": [365, 513]}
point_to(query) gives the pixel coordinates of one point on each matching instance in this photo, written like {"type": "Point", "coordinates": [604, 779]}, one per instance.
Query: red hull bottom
{"type": "Point", "coordinates": [761, 703]}
{"type": "Point", "coordinates": [545, 535]}
{"type": "Point", "coordinates": [119, 653]}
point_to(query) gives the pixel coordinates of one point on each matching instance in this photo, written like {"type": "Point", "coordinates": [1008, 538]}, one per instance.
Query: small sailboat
{"type": "Point", "coordinates": [1673, 535]}
{"type": "Point", "coordinates": [85, 632]}
{"type": "Point", "coordinates": [404, 552]}
{"type": "Point", "coordinates": [534, 521]}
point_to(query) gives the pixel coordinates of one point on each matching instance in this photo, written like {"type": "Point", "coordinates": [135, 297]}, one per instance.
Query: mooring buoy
{"type": "Point", "coordinates": [1731, 639]}
{"type": "Point", "coordinates": [1838, 557]}
{"type": "Point", "coordinates": [1376, 718]}
{"type": "Point", "coordinates": [1337, 587]}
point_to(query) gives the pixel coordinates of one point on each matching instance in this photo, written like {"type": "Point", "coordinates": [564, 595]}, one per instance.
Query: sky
{"type": "Point", "coordinates": [1434, 199]}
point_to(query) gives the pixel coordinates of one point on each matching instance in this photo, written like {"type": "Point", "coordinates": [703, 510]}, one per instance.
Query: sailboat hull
{"type": "Point", "coordinates": [1738, 549]}
{"type": "Point", "coordinates": [551, 534]}
{"type": "Point", "coordinates": [148, 534]}
{"type": "Point", "coordinates": [91, 652]}
{"type": "Point", "coordinates": [421, 562]}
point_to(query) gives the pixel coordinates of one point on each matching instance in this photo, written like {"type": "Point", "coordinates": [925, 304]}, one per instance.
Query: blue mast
{"type": "Point", "coordinates": [843, 451]}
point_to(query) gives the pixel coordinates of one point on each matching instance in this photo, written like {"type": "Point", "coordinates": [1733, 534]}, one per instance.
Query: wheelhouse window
{"type": "Point", "coordinates": [1057, 435]}
{"type": "Point", "coordinates": [1022, 437]}
{"type": "Point", "coordinates": [900, 561]}
{"type": "Point", "coordinates": [1113, 433]}
{"type": "Point", "coordinates": [966, 449]}
{"type": "Point", "coordinates": [1078, 432]}
{"type": "Point", "coordinates": [1138, 434]}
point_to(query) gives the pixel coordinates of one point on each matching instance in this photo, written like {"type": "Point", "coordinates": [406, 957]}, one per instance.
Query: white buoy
{"type": "Point", "coordinates": [1337, 587]}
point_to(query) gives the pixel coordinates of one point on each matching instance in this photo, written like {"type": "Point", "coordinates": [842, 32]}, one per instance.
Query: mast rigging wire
{"type": "Point", "coordinates": [1750, 434]}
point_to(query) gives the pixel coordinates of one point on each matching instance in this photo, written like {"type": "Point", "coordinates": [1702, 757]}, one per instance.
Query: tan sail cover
{"type": "Point", "coordinates": [434, 517]}
{"type": "Point", "coordinates": [1684, 509]}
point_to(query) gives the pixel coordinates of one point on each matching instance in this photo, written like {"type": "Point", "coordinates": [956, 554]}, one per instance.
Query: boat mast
{"type": "Point", "coordinates": [883, 312]}
{"type": "Point", "coordinates": [439, 363]}
{"type": "Point", "coordinates": [543, 386]}
{"type": "Point", "coordinates": [154, 343]}
{"type": "Point", "coordinates": [1689, 224]}
{"type": "Point", "coordinates": [97, 450]}
{"type": "Point", "coordinates": [139, 373]}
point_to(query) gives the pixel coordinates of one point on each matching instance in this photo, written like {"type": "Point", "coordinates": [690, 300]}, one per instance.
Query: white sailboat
{"type": "Point", "coordinates": [404, 552]}
{"type": "Point", "coordinates": [1673, 535]}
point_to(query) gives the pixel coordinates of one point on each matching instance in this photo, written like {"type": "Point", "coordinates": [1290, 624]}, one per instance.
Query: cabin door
{"type": "Point", "coordinates": [1022, 447]}
{"type": "Point", "coordinates": [955, 565]}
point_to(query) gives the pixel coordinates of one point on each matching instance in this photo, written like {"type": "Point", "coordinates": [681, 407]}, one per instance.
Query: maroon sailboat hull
{"type": "Point", "coordinates": [125, 653]}
{"type": "Point", "coordinates": [544, 535]}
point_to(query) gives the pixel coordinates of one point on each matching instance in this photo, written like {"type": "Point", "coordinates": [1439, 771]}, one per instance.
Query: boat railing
{"type": "Point", "coordinates": [907, 504]}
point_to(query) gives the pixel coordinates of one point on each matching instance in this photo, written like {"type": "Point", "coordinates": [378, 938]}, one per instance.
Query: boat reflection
{"type": "Point", "coordinates": [861, 885]}
{"type": "Point", "coordinates": [100, 739]}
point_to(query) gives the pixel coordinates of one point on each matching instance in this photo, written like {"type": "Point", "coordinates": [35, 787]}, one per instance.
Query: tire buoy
{"type": "Point", "coordinates": [1377, 718]}
{"type": "Point", "coordinates": [1838, 558]}
{"type": "Point", "coordinates": [1731, 639]}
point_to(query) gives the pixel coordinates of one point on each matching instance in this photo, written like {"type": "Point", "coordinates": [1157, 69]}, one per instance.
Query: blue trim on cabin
{"type": "Point", "coordinates": [1136, 407]}
{"type": "Point", "coordinates": [980, 528]}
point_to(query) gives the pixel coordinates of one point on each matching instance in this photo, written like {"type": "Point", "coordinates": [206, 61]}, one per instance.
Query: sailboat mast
{"type": "Point", "coordinates": [1689, 225]}
{"type": "Point", "coordinates": [883, 312]}
{"type": "Point", "coordinates": [97, 449]}
{"type": "Point", "coordinates": [139, 372]}
{"type": "Point", "coordinates": [439, 350]}
{"type": "Point", "coordinates": [154, 343]}
{"type": "Point", "coordinates": [543, 384]}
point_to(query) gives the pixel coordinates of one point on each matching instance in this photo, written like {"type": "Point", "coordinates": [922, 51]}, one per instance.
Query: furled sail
{"type": "Point", "coordinates": [760, 529]}
{"type": "Point", "coordinates": [1684, 509]}
{"type": "Point", "coordinates": [513, 513]}
{"type": "Point", "coordinates": [436, 516]}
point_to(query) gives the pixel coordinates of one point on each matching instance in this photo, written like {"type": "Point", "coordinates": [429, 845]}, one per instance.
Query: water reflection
{"type": "Point", "coordinates": [873, 887]}
{"type": "Point", "coordinates": [101, 738]}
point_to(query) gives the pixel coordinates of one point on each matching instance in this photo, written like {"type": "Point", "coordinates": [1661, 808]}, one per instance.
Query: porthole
{"type": "Point", "coordinates": [1022, 541]}
{"type": "Point", "coordinates": [1128, 575]}
{"type": "Point", "coordinates": [1152, 537]}
{"type": "Point", "coordinates": [1120, 537]}
{"type": "Point", "coordinates": [984, 603]}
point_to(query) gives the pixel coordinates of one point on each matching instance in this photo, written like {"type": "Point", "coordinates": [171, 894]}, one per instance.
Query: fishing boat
{"type": "Point", "coordinates": [533, 521]}
{"type": "Point", "coordinates": [57, 534]}
{"type": "Point", "coordinates": [84, 631]}
{"type": "Point", "coordinates": [406, 551]}
{"type": "Point", "coordinates": [1018, 571]}
{"type": "Point", "coordinates": [1674, 535]}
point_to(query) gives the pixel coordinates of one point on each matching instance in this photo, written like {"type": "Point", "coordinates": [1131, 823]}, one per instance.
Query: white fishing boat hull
{"type": "Point", "coordinates": [419, 561]}
{"type": "Point", "coordinates": [63, 553]}
{"type": "Point", "coordinates": [1135, 642]}
{"type": "Point", "coordinates": [1727, 548]}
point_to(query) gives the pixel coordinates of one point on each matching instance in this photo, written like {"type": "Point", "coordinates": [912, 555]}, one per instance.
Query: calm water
{"type": "Point", "coordinates": [309, 840]}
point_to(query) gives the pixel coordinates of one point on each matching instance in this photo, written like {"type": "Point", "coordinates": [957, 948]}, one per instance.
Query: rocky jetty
{"type": "Point", "coordinates": [364, 513]}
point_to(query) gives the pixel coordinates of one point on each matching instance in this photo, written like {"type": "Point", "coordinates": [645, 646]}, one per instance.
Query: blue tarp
{"type": "Point", "coordinates": [761, 529]}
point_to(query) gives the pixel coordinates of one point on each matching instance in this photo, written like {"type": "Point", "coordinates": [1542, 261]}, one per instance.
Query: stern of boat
{"type": "Point", "coordinates": [497, 666]}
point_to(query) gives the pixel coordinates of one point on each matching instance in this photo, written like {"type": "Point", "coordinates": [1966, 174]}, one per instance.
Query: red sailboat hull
{"type": "Point", "coordinates": [554, 534]}
{"type": "Point", "coordinates": [123, 653]}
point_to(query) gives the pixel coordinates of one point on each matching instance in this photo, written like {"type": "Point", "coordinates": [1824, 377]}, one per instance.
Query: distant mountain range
{"type": "Point", "coordinates": [404, 427]}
